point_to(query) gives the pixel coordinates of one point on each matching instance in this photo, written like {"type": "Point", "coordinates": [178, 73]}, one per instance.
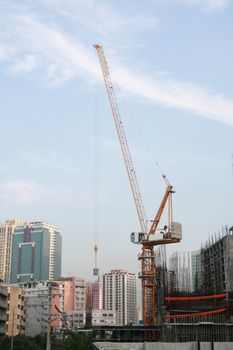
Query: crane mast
{"type": "Point", "coordinates": [123, 141]}
{"type": "Point", "coordinates": [170, 235]}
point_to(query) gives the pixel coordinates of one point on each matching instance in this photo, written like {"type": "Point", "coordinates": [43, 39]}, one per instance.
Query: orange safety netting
{"type": "Point", "coordinates": [205, 313]}
{"type": "Point", "coordinates": [204, 297]}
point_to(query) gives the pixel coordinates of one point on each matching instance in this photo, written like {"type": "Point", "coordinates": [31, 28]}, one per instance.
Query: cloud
{"type": "Point", "coordinates": [25, 65]}
{"type": "Point", "coordinates": [19, 191]}
{"type": "Point", "coordinates": [177, 94]}
{"type": "Point", "coordinates": [33, 45]}
{"type": "Point", "coordinates": [100, 17]}
{"type": "Point", "coordinates": [50, 159]}
{"type": "Point", "coordinates": [208, 4]}
{"type": "Point", "coordinates": [61, 57]}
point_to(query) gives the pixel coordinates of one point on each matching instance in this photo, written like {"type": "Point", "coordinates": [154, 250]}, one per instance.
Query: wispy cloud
{"type": "Point", "coordinates": [208, 4]}
{"type": "Point", "coordinates": [29, 44]}
{"type": "Point", "coordinates": [100, 17]}
{"type": "Point", "coordinates": [177, 94]}
{"type": "Point", "coordinates": [50, 160]}
{"type": "Point", "coordinates": [25, 65]}
{"type": "Point", "coordinates": [35, 45]}
{"type": "Point", "coordinates": [19, 191]}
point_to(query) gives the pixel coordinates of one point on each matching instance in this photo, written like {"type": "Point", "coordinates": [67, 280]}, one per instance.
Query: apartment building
{"type": "Point", "coordinates": [15, 313]}
{"type": "Point", "coordinates": [119, 295]}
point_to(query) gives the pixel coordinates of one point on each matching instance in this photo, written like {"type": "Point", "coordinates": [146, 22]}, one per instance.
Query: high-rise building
{"type": "Point", "coordinates": [6, 233]}
{"type": "Point", "coordinates": [119, 295]}
{"type": "Point", "coordinates": [36, 252]}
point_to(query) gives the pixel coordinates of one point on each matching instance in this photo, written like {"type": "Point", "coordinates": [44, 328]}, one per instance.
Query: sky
{"type": "Point", "coordinates": [171, 64]}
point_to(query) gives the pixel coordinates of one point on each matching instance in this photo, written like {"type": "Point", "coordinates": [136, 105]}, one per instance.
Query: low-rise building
{"type": "Point", "coordinates": [74, 320]}
{"type": "Point", "coordinates": [3, 309]}
{"type": "Point", "coordinates": [103, 317]}
{"type": "Point", "coordinates": [36, 305]}
{"type": "Point", "coordinates": [15, 314]}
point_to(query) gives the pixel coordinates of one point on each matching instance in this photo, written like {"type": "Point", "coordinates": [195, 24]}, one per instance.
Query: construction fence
{"type": "Point", "coordinates": [164, 346]}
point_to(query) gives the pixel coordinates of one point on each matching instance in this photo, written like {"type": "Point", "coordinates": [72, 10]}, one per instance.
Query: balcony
{"type": "Point", "coordinates": [3, 304]}
{"type": "Point", "coordinates": [3, 316]}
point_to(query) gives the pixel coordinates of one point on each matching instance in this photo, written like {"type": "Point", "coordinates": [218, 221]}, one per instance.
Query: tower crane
{"type": "Point", "coordinates": [171, 233]}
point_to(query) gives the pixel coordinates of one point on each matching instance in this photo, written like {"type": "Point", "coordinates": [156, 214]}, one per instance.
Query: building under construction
{"type": "Point", "coordinates": [159, 303]}
{"type": "Point", "coordinates": [198, 291]}
{"type": "Point", "coordinates": [217, 264]}
{"type": "Point", "coordinates": [206, 271]}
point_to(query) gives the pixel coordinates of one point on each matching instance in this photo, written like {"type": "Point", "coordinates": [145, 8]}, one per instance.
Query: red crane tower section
{"type": "Point", "coordinates": [171, 232]}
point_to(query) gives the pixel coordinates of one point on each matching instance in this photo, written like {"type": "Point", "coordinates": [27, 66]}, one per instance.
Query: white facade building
{"type": "Point", "coordinates": [119, 295]}
{"type": "Point", "coordinates": [103, 317]}
{"type": "Point", "coordinates": [6, 232]}
{"type": "Point", "coordinates": [36, 307]}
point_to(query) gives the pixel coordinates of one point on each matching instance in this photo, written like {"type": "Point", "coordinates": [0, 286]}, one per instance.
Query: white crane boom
{"type": "Point", "coordinates": [123, 141]}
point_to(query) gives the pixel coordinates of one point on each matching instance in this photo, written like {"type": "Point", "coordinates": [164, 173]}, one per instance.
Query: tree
{"type": "Point", "coordinates": [21, 342]}
{"type": "Point", "coordinates": [78, 341]}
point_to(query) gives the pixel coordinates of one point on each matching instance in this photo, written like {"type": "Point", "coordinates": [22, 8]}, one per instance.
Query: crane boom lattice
{"type": "Point", "coordinates": [123, 141]}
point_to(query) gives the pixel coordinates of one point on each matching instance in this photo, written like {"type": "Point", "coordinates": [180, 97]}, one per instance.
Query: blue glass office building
{"type": "Point", "coordinates": [36, 252]}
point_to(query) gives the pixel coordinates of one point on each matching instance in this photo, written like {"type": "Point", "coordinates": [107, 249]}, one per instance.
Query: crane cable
{"type": "Point", "coordinates": [141, 134]}
{"type": "Point", "coordinates": [96, 184]}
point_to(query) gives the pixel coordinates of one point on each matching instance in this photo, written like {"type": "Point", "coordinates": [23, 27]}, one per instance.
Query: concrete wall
{"type": "Point", "coordinates": [172, 346]}
{"type": "Point", "coordinates": [163, 346]}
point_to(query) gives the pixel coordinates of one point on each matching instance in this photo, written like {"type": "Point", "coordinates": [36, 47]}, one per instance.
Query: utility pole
{"type": "Point", "coordinates": [50, 296]}
{"type": "Point", "coordinates": [48, 340]}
